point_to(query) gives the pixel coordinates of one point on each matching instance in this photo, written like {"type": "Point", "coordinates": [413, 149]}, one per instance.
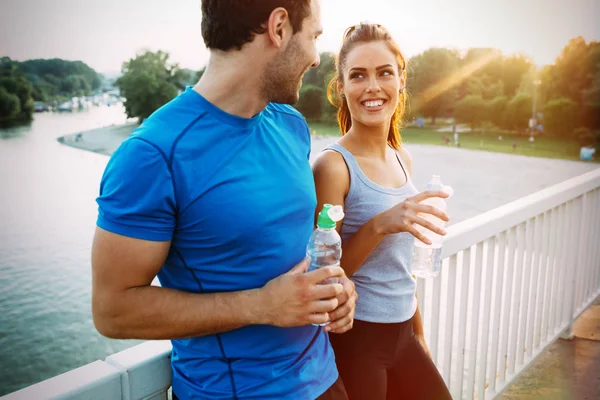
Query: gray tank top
{"type": "Point", "coordinates": [385, 287]}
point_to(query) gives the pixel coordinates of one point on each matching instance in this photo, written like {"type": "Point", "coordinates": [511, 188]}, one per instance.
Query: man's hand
{"type": "Point", "coordinates": [296, 298]}
{"type": "Point", "coordinates": [342, 318]}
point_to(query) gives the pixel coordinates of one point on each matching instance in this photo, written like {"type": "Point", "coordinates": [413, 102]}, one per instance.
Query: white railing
{"type": "Point", "coordinates": [142, 372]}
{"type": "Point", "coordinates": [514, 279]}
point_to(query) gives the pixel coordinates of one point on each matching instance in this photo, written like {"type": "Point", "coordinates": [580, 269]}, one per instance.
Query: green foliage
{"type": "Point", "coordinates": [471, 110]}
{"type": "Point", "coordinates": [10, 106]}
{"type": "Point", "coordinates": [497, 111]}
{"type": "Point", "coordinates": [149, 81]}
{"type": "Point", "coordinates": [584, 136]}
{"type": "Point", "coordinates": [560, 116]}
{"type": "Point", "coordinates": [488, 73]}
{"type": "Point", "coordinates": [62, 70]}
{"type": "Point", "coordinates": [518, 111]}
{"type": "Point", "coordinates": [440, 79]}
{"type": "Point", "coordinates": [13, 87]}
{"type": "Point", "coordinates": [515, 67]}
{"type": "Point", "coordinates": [57, 79]}
{"type": "Point", "coordinates": [430, 81]}
{"type": "Point", "coordinates": [311, 103]}
{"type": "Point", "coordinates": [576, 75]}
{"type": "Point", "coordinates": [321, 75]}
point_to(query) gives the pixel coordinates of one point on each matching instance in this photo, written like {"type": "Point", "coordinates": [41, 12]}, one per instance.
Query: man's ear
{"type": "Point", "coordinates": [278, 26]}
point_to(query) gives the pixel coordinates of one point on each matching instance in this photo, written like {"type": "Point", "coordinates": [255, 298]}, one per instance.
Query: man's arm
{"type": "Point", "coordinates": [126, 306]}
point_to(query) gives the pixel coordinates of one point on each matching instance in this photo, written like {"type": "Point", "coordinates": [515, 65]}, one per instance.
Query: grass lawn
{"type": "Point", "coordinates": [547, 147]}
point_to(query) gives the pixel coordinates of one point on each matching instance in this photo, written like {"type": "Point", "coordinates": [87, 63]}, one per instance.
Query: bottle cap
{"type": "Point", "coordinates": [329, 215]}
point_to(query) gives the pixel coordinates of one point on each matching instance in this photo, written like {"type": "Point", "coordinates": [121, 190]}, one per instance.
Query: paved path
{"type": "Point", "coordinates": [482, 180]}
{"type": "Point", "coordinates": [568, 369]}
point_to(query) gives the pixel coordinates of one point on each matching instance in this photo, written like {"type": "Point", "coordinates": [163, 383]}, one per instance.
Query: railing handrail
{"type": "Point", "coordinates": [483, 226]}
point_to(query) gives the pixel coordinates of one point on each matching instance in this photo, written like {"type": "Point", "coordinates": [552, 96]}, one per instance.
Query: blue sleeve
{"type": "Point", "coordinates": [136, 193]}
{"type": "Point", "coordinates": [309, 140]}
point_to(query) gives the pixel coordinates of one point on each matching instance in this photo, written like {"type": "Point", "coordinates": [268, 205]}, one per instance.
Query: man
{"type": "Point", "coordinates": [214, 194]}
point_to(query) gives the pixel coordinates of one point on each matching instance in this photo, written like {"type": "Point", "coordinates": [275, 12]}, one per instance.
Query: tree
{"type": "Point", "coordinates": [15, 86]}
{"type": "Point", "coordinates": [574, 69]}
{"type": "Point", "coordinates": [515, 67]}
{"type": "Point", "coordinates": [432, 81]}
{"type": "Point", "coordinates": [590, 115]}
{"type": "Point", "coordinates": [560, 116]}
{"type": "Point", "coordinates": [482, 86]}
{"type": "Point", "coordinates": [10, 107]}
{"type": "Point", "coordinates": [57, 79]}
{"type": "Point", "coordinates": [518, 111]}
{"type": "Point", "coordinates": [321, 75]}
{"type": "Point", "coordinates": [148, 81]}
{"type": "Point", "coordinates": [311, 102]}
{"type": "Point", "coordinates": [471, 110]}
{"type": "Point", "coordinates": [497, 111]}
{"type": "Point", "coordinates": [318, 78]}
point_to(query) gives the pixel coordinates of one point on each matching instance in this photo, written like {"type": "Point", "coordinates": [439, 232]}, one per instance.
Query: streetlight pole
{"type": "Point", "coordinates": [533, 123]}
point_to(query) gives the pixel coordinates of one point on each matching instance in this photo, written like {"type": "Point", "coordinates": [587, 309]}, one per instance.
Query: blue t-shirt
{"type": "Point", "coordinates": [236, 197]}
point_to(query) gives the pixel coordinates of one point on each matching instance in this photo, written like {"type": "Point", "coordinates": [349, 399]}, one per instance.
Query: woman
{"type": "Point", "coordinates": [384, 356]}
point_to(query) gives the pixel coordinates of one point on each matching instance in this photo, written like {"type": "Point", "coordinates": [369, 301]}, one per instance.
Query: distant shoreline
{"type": "Point", "coordinates": [107, 139]}
{"type": "Point", "coordinates": [103, 140]}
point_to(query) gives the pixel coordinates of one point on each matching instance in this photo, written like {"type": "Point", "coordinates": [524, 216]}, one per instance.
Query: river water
{"type": "Point", "coordinates": [47, 220]}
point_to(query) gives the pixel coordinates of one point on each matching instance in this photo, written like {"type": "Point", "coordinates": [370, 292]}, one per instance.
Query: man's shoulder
{"type": "Point", "coordinates": [286, 111]}
{"type": "Point", "coordinates": [167, 125]}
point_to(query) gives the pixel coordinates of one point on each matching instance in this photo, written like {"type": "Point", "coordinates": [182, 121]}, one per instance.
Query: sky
{"type": "Point", "coordinates": [106, 33]}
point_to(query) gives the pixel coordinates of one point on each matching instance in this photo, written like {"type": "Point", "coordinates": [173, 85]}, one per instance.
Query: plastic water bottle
{"type": "Point", "coordinates": [325, 245]}
{"type": "Point", "coordinates": [427, 259]}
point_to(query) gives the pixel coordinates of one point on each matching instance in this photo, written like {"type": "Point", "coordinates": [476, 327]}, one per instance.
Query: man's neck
{"type": "Point", "coordinates": [232, 83]}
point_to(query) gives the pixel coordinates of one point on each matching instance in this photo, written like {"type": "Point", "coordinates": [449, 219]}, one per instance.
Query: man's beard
{"type": "Point", "coordinates": [281, 79]}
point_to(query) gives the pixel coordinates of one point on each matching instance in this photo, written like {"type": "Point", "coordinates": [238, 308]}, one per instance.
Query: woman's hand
{"type": "Point", "coordinates": [403, 216]}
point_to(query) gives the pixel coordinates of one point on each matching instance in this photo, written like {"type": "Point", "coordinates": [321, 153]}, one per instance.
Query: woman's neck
{"type": "Point", "coordinates": [368, 140]}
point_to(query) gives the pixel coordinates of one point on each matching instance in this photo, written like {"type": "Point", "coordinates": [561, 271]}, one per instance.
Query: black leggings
{"type": "Point", "coordinates": [384, 362]}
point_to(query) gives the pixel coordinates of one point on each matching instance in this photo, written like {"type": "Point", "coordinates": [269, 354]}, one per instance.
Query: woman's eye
{"type": "Point", "coordinates": [356, 76]}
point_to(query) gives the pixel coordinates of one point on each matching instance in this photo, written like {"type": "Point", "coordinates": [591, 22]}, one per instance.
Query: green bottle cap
{"type": "Point", "coordinates": [329, 215]}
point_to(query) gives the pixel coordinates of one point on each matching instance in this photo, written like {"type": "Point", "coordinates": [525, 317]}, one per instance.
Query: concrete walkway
{"type": "Point", "coordinates": [481, 180]}
{"type": "Point", "coordinates": [568, 369]}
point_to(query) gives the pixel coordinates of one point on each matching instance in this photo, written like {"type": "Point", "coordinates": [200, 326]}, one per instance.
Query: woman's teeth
{"type": "Point", "coordinates": [373, 103]}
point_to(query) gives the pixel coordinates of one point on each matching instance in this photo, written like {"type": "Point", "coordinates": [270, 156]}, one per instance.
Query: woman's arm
{"type": "Point", "coordinates": [332, 182]}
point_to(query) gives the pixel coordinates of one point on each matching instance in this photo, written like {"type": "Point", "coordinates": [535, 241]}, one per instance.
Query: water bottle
{"type": "Point", "coordinates": [427, 259]}
{"type": "Point", "coordinates": [325, 245]}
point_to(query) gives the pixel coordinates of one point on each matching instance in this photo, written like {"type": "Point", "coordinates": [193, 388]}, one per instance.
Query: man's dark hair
{"type": "Point", "coordinates": [229, 24]}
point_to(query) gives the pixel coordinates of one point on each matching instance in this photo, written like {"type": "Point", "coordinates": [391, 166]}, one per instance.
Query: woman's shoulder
{"type": "Point", "coordinates": [406, 158]}
{"type": "Point", "coordinates": [330, 162]}
{"type": "Point", "coordinates": [330, 168]}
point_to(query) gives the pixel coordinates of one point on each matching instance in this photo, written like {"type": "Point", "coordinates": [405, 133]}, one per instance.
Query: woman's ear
{"type": "Point", "coordinates": [403, 79]}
